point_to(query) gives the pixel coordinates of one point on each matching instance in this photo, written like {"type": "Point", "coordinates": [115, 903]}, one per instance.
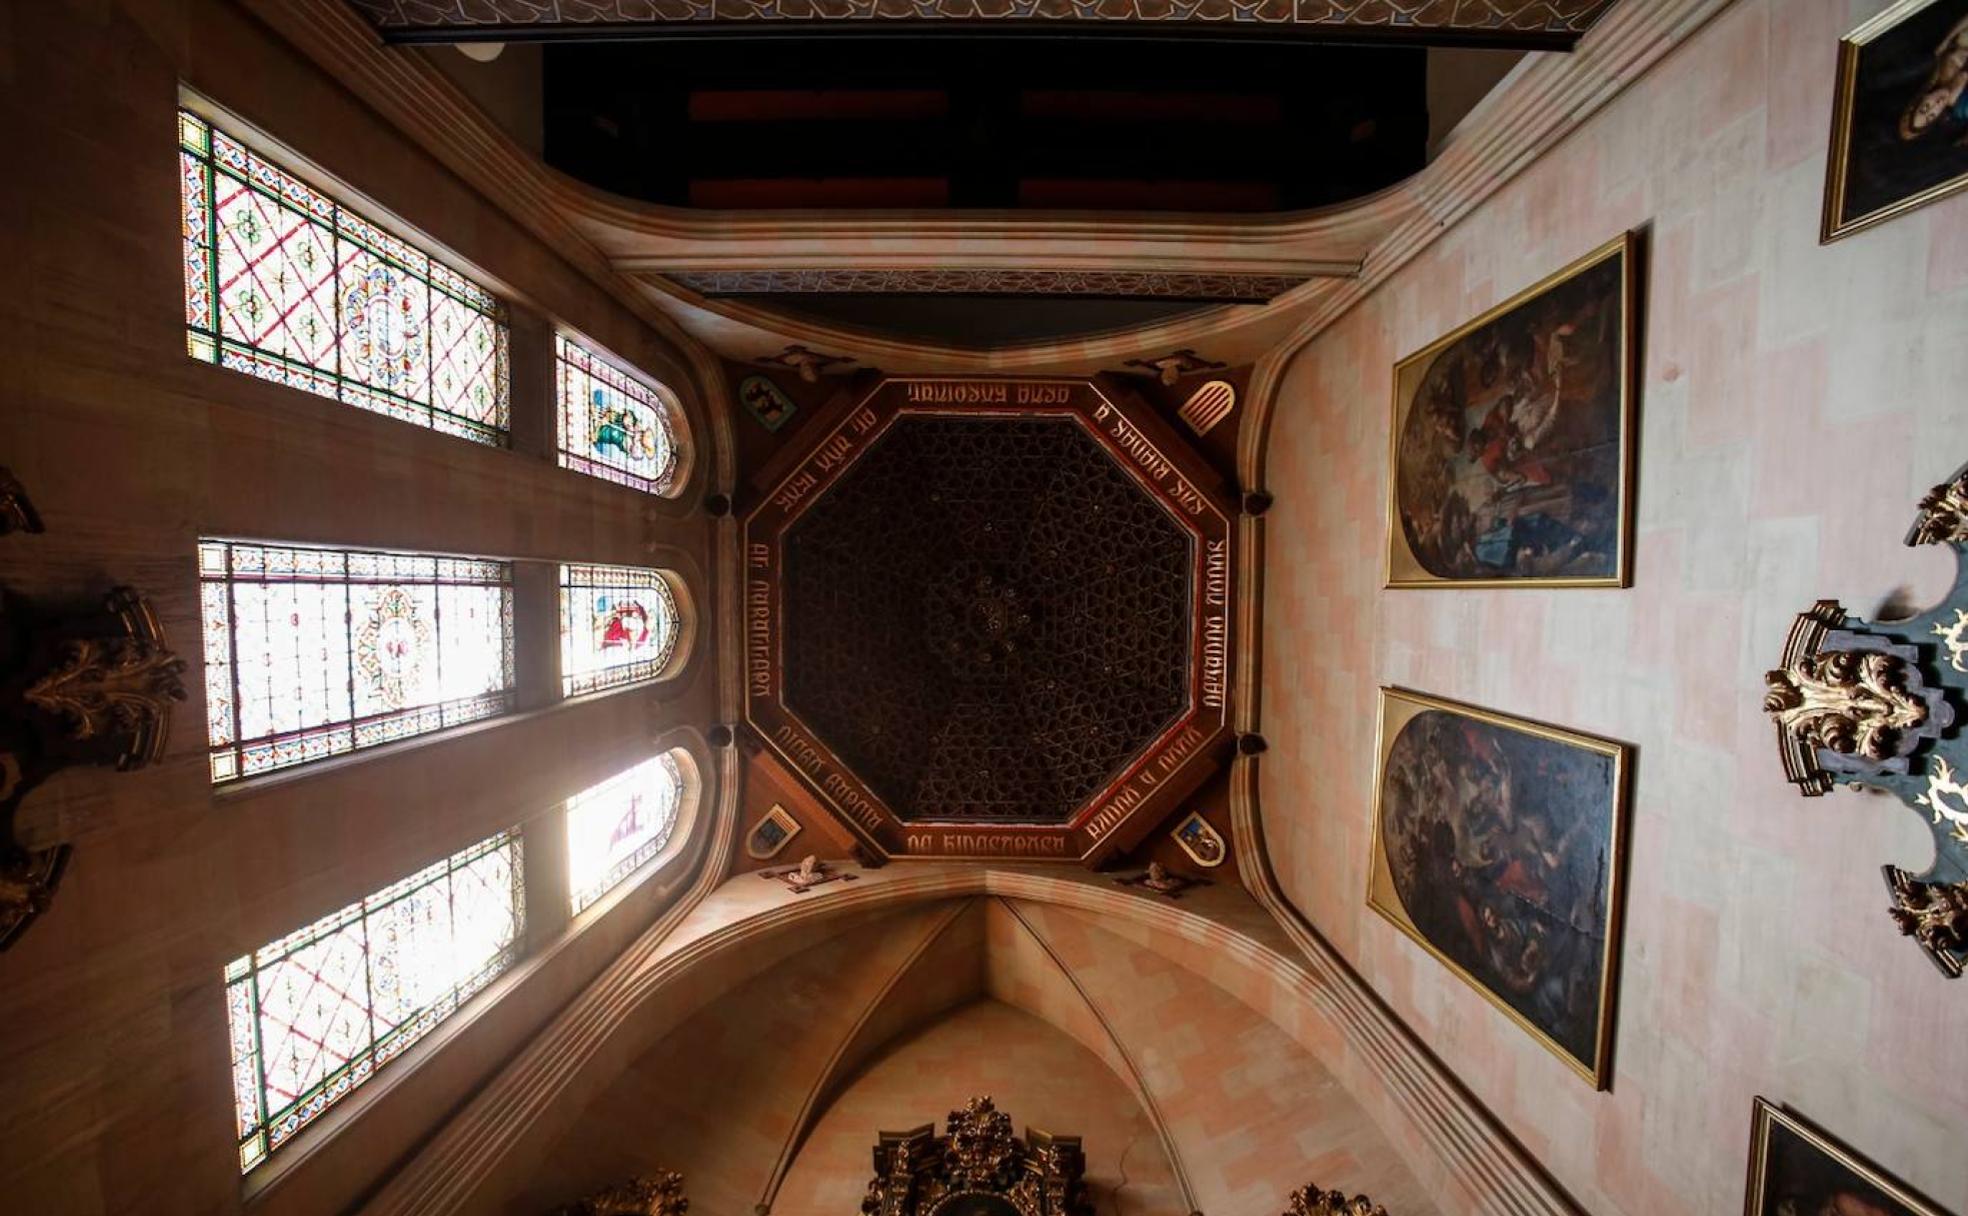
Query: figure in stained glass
{"type": "Point", "coordinates": [618, 624]}
{"type": "Point", "coordinates": [614, 425]}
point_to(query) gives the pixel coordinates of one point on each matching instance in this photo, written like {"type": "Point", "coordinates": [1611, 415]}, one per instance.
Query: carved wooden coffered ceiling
{"type": "Point", "coordinates": [1528, 23]}
{"type": "Point", "coordinates": [991, 618]}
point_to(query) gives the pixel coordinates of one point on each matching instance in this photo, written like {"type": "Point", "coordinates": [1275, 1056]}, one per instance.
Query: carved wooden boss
{"type": "Point", "coordinates": [1875, 703]}
{"type": "Point", "coordinates": [991, 618]}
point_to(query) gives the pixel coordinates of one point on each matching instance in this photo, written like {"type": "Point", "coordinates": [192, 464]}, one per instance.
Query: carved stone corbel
{"type": "Point", "coordinates": [1311, 1201]}
{"type": "Point", "coordinates": [658, 1196]}
{"type": "Point", "coordinates": [1874, 704]}
{"type": "Point", "coordinates": [93, 687]}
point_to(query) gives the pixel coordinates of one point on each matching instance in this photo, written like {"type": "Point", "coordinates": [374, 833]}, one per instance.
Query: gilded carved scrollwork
{"type": "Point", "coordinates": [1874, 704]}
{"type": "Point", "coordinates": [77, 687]}
{"type": "Point", "coordinates": [1311, 1201]}
{"type": "Point", "coordinates": [1851, 702]}
{"type": "Point", "coordinates": [658, 1196]}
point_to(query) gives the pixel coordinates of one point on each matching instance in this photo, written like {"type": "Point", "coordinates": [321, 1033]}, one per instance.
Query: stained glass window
{"type": "Point", "coordinates": [618, 624]}
{"type": "Point", "coordinates": [316, 1013]}
{"type": "Point", "coordinates": [613, 425]}
{"type": "Point", "coordinates": [614, 827]}
{"type": "Point", "coordinates": [286, 284]}
{"type": "Point", "coordinates": [310, 653]}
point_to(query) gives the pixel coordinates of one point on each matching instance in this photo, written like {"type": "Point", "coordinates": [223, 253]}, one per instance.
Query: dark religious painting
{"type": "Point", "coordinates": [1899, 132]}
{"type": "Point", "coordinates": [1496, 846]}
{"type": "Point", "coordinates": [1797, 1170]}
{"type": "Point", "coordinates": [1510, 439]}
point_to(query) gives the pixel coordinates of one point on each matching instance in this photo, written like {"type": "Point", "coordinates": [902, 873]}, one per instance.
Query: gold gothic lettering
{"type": "Point", "coordinates": [809, 759]}
{"type": "Point", "coordinates": [865, 812]}
{"type": "Point", "coordinates": [1144, 453]}
{"type": "Point", "coordinates": [943, 392]}
{"type": "Point", "coordinates": [758, 636]}
{"type": "Point", "coordinates": [1216, 574]}
{"type": "Point", "coordinates": [1008, 846]}
{"type": "Point", "coordinates": [795, 489]}
{"type": "Point", "coordinates": [1216, 660]}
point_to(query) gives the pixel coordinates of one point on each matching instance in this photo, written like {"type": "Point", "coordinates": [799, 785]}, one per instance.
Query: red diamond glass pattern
{"type": "Point", "coordinates": [314, 1014]}
{"type": "Point", "coordinates": [284, 283]}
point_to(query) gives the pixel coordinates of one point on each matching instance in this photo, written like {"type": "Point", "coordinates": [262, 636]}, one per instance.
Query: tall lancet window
{"type": "Point", "coordinates": [617, 826]}
{"type": "Point", "coordinates": [285, 283]}
{"type": "Point", "coordinates": [615, 425]}
{"type": "Point", "coordinates": [618, 625]}
{"type": "Point", "coordinates": [310, 653]}
{"type": "Point", "coordinates": [314, 1014]}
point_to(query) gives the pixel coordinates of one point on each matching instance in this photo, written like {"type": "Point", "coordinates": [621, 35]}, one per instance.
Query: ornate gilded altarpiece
{"type": "Point", "coordinates": [1878, 703]}
{"type": "Point", "coordinates": [991, 617]}
{"type": "Point", "coordinates": [977, 1168]}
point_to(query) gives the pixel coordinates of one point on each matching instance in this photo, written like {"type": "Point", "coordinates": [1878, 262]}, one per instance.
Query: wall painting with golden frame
{"type": "Point", "coordinates": [1797, 1170]}
{"type": "Point", "coordinates": [1899, 120]}
{"type": "Point", "coordinates": [1510, 445]}
{"type": "Point", "coordinates": [1497, 847]}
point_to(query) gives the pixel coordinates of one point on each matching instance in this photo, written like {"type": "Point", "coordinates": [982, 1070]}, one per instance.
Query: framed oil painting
{"type": "Point", "coordinates": [1496, 847]}
{"type": "Point", "coordinates": [1797, 1170]}
{"type": "Point", "coordinates": [1899, 121]}
{"type": "Point", "coordinates": [1510, 441]}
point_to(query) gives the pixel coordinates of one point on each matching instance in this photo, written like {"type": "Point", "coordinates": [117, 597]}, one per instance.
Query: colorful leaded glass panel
{"type": "Point", "coordinates": [614, 827]}
{"type": "Point", "coordinates": [314, 1014]}
{"type": "Point", "coordinates": [613, 425]}
{"type": "Point", "coordinates": [286, 284]}
{"type": "Point", "coordinates": [618, 624]}
{"type": "Point", "coordinates": [310, 653]}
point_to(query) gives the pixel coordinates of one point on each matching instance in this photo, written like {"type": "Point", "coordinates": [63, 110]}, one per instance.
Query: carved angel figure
{"type": "Point", "coordinates": [1943, 515]}
{"type": "Point", "coordinates": [1935, 914]}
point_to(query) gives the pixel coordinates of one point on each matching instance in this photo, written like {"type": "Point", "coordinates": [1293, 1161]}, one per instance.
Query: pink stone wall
{"type": "Point", "coordinates": [1796, 401]}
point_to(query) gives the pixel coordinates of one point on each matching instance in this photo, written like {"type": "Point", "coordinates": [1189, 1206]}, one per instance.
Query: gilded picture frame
{"type": "Point", "coordinates": [1513, 883]}
{"type": "Point", "coordinates": [1899, 116]}
{"type": "Point", "coordinates": [1473, 500]}
{"type": "Point", "coordinates": [1793, 1162]}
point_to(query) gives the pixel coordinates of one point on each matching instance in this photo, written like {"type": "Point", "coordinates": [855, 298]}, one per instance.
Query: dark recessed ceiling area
{"type": "Point", "coordinates": [1173, 124]}
{"type": "Point", "coordinates": [987, 618]}
{"type": "Point", "coordinates": [979, 322]}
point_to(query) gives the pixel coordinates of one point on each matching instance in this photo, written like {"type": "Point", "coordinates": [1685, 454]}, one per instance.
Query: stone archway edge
{"type": "Point", "coordinates": [540, 1091]}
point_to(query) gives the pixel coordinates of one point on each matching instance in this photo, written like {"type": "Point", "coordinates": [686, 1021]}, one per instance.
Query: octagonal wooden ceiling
{"type": "Point", "coordinates": [991, 618]}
